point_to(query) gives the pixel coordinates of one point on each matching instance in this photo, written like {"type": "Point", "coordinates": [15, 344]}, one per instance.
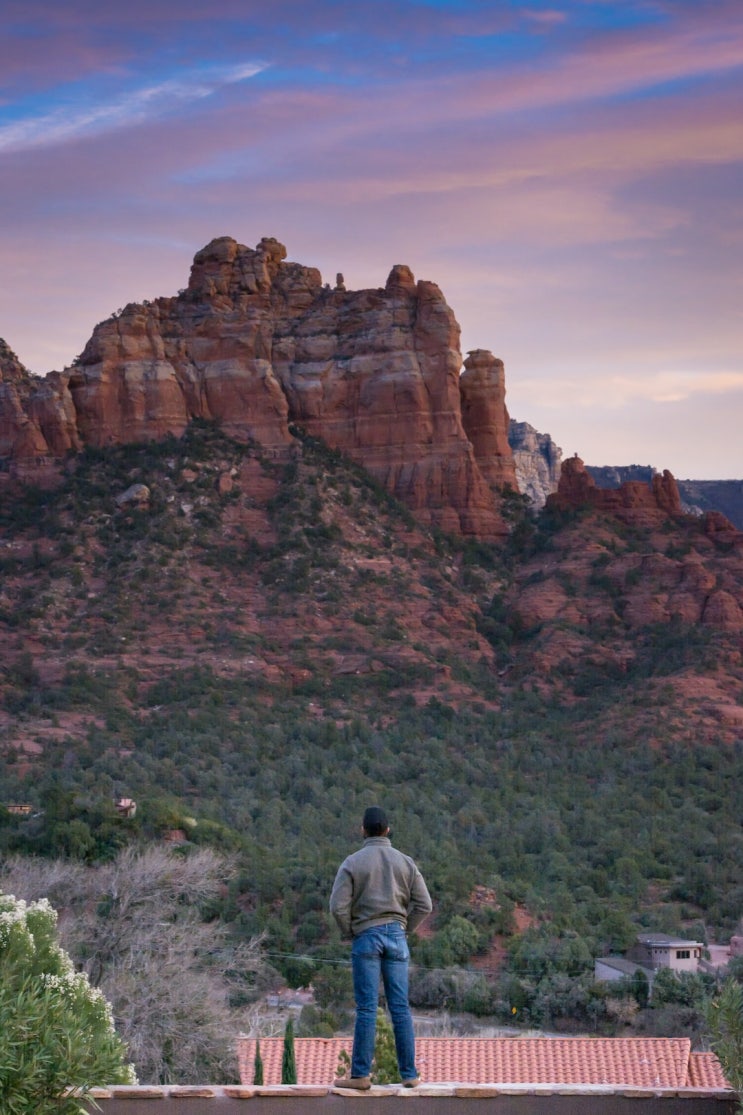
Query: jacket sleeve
{"type": "Point", "coordinates": [420, 905]}
{"type": "Point", "coordinates": [341, 898]}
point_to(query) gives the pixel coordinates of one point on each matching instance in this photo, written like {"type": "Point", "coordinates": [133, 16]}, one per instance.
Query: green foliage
{"type": "Point", "coordinates": [724, 1017]}
{"type": "Point", "coordinates": [384, 1065]}
{"type": "Point", "coordinates": [541, 952]}
{"type": "Point", "coordinates": [686, 989]}
{"type": "Point", "coordinates": [343, 1067]}
{"type": "Point", "coordinates": [638, 986]}
{"type": "Point", "coordinates": [550, 977]}
{"type": "Point", "coordinates": [258, 1065]}
{"type": "Point", "coordinates": [583, 828]}
{"type": "Point", "coordinates": [588, 795]}
{"type": "Point", "coordinates": [56, 1031]}
{"type": "Point", "coordinates": [288, 1061]}
{"type": "Point", "coordinates": [321, 1022]}
{"type": "Point", "coordinates": [332, 984]}
{"type": "Point", "coordinates": [455, 943]}
{"type": "Point", "coordinates": [735, 968]}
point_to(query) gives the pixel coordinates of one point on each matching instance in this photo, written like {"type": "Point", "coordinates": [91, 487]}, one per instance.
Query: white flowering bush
{"type": "Point", "coordinates": [57, 1037]}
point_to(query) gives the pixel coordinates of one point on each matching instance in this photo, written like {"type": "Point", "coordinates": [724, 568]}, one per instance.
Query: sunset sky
{"type": "Point", "coordinates": [569, 173]}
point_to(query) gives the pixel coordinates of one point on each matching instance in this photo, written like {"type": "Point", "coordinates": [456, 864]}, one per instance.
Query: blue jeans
{"type": "Point", "coordinates": [382, 950]}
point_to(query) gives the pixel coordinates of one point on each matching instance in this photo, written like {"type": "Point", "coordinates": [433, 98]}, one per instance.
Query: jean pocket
{"type": "Point", "coordinates": [397, 946]}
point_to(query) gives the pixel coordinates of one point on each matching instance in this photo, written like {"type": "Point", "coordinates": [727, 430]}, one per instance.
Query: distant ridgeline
{"type": "Point", "coordinates": [697, 496]}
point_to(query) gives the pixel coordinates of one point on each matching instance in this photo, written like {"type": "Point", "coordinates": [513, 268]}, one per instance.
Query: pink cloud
{"type": "Point", "coordinates": [587, 237]}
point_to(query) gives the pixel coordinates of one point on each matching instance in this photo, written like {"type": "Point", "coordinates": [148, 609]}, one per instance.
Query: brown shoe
{"type": "Point", "coordinates": [356, 1083]}
{"type": "Point", "coordinates": [413, 1082]}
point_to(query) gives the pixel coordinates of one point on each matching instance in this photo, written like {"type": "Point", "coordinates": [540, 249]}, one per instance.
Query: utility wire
{"type": "Point", "coordinates": [421, 967]}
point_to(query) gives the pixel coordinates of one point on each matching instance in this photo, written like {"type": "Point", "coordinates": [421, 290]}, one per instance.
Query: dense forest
{"type": "Point", "coordinates": [255, 650]}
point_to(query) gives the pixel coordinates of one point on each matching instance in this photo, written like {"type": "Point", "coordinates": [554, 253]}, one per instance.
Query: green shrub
{"type": "Point", "coordinates": [56, 1031]}
{"type": "Point", "coordinates": [724, 1017]}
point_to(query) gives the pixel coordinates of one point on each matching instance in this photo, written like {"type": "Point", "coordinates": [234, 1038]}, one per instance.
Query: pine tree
{"type": "Point", "coordinates": [288, 1063]}
{"type": "Point", "coordinates": [258, 1065]}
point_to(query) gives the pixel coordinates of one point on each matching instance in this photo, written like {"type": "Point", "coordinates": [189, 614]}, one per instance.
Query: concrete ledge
{"type": "Point", "coordinates": [440, 1099]}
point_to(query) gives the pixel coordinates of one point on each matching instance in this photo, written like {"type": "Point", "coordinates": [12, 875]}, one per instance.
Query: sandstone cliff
{"type": "Point", "coordinates": [537, 460]}
{"type": "Point", "coordinates": [697, 496]}
{"type": "Point", "coordinates": [633, 501]}
{"type": "Point", "coordinates": [261, 346]}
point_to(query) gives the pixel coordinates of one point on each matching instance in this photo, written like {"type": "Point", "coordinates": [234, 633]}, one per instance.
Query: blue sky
{"type": "Point", "coordinates": [570, 174]}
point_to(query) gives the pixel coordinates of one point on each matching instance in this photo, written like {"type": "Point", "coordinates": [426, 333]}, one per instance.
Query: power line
{"type": "Point", "coordinates": [347, 963]}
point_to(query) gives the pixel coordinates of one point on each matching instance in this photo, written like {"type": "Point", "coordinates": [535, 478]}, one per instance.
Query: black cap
{"type": "Point", "coordinates": [375, 821]}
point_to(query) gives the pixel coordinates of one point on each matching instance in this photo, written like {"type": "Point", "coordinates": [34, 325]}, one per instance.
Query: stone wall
{"type": "Point", "coordinates": [428, 1100]}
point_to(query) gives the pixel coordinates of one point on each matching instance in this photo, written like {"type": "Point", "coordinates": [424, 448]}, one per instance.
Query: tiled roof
{"type": "Point", "coordinates": [635, 1062]}
{"type": "Point", "coordinates": [705, 1072]}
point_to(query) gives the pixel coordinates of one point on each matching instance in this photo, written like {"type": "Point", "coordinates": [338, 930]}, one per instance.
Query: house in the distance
{"type": "Point", "coordinates": [126, 807]}
{"type": "Point", "coordinates": [651, 952]}
{"type": "Point", "coordinates": [623, 1062]}
{"type": "Point", "coordinates": [659, 950]}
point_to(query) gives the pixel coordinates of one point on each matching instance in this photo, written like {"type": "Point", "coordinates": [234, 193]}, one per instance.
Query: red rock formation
{"type": "Point", "coordinates": [15, 388]}
{"type": "Point", "coordinates": [485, 418]}
{"type": "Point", "coordinates": [634, 502]}
{"type": "Point", "coordinates": [259, 344]}
{"type": "Point", "coordinates": [718, 527]}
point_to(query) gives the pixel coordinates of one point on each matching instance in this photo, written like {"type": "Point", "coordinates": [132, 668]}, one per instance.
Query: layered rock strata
{"type": "Point", "coordinates": [634, 501]}
{"type": "Point", "coordinates": [537, 461]}
{"type": "Point", "coordinates": [485, 418]}
{"type": "Point", "coordinates": [261, 345]}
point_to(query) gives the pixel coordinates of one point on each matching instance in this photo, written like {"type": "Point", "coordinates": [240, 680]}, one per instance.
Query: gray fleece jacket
{"type": "Point", "coordinates": [377, 885]}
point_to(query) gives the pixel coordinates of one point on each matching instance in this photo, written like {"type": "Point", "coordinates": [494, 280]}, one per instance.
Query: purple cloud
{"type": "Point", "coordinates": [570, 174]}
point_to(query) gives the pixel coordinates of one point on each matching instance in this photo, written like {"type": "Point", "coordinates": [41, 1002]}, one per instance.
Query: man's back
{"type": "Point", "coordinates": [378, 884]}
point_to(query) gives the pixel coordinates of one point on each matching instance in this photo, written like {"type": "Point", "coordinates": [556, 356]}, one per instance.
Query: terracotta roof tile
{"type": "Point", "coordinates": [635, 1062]}
{"type": "Point", "coordinates": [705, 1071]}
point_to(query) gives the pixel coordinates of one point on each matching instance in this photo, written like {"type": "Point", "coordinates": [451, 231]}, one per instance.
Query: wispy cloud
{"type": "Point", "coordinates": [567, 170]}
{"type": "Point", "coordinates": [131, 107]}
{"type": "Point", "coordinates": [675, 386]}
{"type": "Point", "coordinates": [614, 390]}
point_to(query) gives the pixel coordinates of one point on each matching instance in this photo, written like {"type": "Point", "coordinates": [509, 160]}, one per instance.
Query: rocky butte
{"type": "Point", "coordinates": [262, 346]}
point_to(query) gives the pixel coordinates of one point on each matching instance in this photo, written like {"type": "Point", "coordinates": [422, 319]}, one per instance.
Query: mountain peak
{"type": "Point", "coordinates": [260, 345]}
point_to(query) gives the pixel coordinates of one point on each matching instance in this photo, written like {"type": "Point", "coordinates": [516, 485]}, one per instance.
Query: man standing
{"type": "Point", "coordinates": [378, 894]}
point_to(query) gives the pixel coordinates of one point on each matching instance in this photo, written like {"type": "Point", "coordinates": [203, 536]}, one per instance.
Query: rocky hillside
{"type": "Point", "coordinates": [628, 588]}
{"type": "Point", "coordinates": [273, 563]}
{"type": "Point", "coordinates": [204, 554]}
{"type": "Point", "coordinates": [256, 642]}
{"type": "Point", "coordinates": [207, 553]}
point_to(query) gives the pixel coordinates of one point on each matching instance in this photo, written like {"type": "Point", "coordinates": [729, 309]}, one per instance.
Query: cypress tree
{"type": "Point", "coordinates": [288, 1063]}
{"type": "Point", "coordinates": [384, 1067]}
{"type": "Point", "coordinates": [258, 1065]}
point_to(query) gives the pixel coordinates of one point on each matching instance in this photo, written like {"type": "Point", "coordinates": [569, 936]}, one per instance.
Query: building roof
{"type": "Point", "coordinates": [663, 940]}
{"type": "Point", "coordinates": [621, 964]}
{"type": "Point", "coordinates": [705, 1071]}
{"type": "Point", "coordinates": [633, 1062]}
